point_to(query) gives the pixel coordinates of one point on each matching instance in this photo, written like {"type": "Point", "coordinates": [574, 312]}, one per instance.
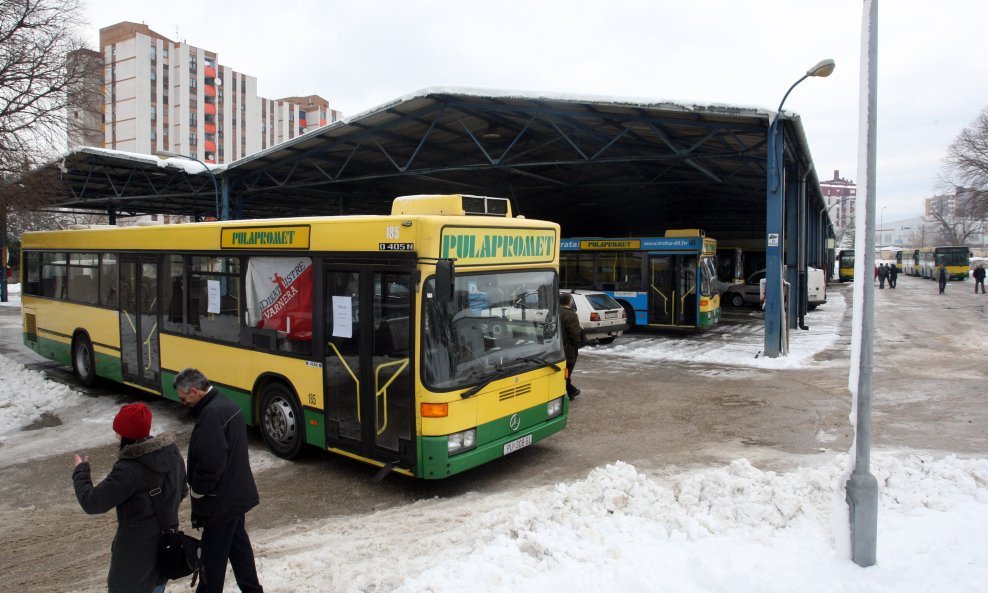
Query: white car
{"type": "Point", "coordinates": [601, 317]}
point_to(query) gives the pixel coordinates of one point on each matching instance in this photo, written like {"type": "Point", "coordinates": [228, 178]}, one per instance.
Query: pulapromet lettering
{"type": "Point", "coordinates": [295, 237]}
{"type": "Point", "coordinates": [467, 246]}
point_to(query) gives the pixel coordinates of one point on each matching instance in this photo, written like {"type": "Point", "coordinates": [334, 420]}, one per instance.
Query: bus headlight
{"type": "Point", "coordinates": [554, 408]}
{"type": "Point", "coordinates": [461, 441]}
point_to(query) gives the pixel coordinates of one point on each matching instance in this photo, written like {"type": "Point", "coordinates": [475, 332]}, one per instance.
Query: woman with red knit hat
{"type": "Point", "coordinates": [134, 553]}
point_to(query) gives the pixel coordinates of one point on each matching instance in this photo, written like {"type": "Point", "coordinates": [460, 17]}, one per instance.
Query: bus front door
{"type": "Point", "coordinates": [368, 360]}
{"type": "Point", "coordinates": [672, 290]}
{"type": "Point", "coordinates": [139, 354]}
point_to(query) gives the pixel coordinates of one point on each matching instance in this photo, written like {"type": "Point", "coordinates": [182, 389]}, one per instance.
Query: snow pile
{"type": "Point", "coordinates": [730, 529]}
{"type": "Point", "coordinates": [25, 395]}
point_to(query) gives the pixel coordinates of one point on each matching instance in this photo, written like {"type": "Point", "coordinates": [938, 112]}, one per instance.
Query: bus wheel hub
{"type": "Point", "coordinates": [279, 421]}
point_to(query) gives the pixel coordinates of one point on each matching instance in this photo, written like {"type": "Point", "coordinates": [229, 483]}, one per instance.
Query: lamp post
{"type": "Point", "coordinates": [773, 220]}
{"type": "Point", "coordinates": [861, 488]}
{"type": "Point", "coordinates": [164, 154]}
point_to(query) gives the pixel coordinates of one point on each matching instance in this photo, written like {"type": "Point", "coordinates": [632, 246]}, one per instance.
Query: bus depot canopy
{"type": "Point", "coordinates": [597, 165]}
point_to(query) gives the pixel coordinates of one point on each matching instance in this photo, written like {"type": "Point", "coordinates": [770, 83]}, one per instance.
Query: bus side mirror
{"type": "Point", "coordinates": [444, 280]}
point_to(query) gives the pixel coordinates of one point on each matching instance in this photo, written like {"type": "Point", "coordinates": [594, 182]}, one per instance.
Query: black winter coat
{"type": "Point", "coordinates": [570, 324]}
{"type": "Point", "coordinates": [134, 552]}
{"type": "Point", "coordinates": [219, 468]}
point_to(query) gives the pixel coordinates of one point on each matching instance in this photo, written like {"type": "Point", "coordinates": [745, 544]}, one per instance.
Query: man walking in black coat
{"type": "Point", "coordinates": [221, 483]}
{"type": "Point", "coordinates": [979, 278]}
{"type": "Point", "coordinates": [893, 275]}
{"type": "Point", "coordinates": [570, 325]}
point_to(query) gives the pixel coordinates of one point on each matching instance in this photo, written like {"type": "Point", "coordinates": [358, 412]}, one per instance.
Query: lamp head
{"type": "Point", "coordinates": [166, 154]}
{"type": "Point", "coordinates": [823, 68]}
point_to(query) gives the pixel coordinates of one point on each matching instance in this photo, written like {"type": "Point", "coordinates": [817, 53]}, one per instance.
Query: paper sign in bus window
{"type": "Point", "coordinates": [342, 317]}
{"type": "Point", "coordinates": [213, 290]}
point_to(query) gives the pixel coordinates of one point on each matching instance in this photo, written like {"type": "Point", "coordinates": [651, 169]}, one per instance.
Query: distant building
{"type": "Point", "coordinates": [164, 95]}
{"type": "Point", "coordinates": [841, 196]}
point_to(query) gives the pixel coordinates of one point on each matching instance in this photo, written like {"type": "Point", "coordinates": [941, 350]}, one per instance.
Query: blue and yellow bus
{"type": "Point", "coordinates": [665, 281]}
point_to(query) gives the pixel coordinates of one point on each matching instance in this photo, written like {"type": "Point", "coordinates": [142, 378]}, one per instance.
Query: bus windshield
{"type": "Point", "coordinates": [953, 257]}
{"type": "Point", "coordinates": [494, 321]}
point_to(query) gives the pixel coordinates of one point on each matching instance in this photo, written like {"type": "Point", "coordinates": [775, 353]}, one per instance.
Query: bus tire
{"type": "Point", "coordinates": [281, 421]}
{"type": "Point", "coordinates": [629, 314]}
{"type": "Point", "coordinates": [606, 341]}
{"type": "Point", "coordinates": [83, 360]}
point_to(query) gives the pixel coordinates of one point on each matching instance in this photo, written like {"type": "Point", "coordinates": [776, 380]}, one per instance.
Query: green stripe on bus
{"type": "Point", "coordinates": [436, 463]}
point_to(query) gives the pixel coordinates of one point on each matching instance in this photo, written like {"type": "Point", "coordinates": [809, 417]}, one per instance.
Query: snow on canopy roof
{"type": "Point", "coordinates": [190, 166]}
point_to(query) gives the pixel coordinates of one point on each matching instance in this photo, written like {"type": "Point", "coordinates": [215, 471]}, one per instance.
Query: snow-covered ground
{"type": "Point", "coordinates": [721, 529]}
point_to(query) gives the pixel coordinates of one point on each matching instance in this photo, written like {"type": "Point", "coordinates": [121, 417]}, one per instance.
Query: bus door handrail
{"type": "Point", "coordinates": [378, 391]}
{"type": "Point", "coordinates": [352, 376]}
{"type": "Point", "coordinates": [147, 342]}
{"type": "Point", "coordinates": [665, 303]}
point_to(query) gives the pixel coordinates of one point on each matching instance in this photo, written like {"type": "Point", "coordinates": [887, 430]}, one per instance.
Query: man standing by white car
{"type": "Point", "coordinates": [570, 325]}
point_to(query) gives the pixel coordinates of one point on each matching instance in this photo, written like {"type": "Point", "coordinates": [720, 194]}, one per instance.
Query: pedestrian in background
{"type": "Point", "coordinates": [942, 277]}
{"type": "Point", "coordinates": [570, 324]}
{"type": "Point", "coordinates": [222, 484]}
{"type": "Point", "coordinates": [979, 278]}
{"type": "Point", "coordinates": [134, 553]}
{"type": "Point", "coordinates": [883, 273]}
{"type": "Point", "coordinates": [893, 275]}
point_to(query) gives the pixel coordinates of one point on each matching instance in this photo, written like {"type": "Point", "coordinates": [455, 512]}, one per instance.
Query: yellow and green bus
{"type": "Point", "coordinates": [957, 260]}
{"type": "Point", "coordinates": [425, 342]}
{"type": "Point", "coordinates": [845, 265]}
{"type": "Point", "coordinates": [667, 282]}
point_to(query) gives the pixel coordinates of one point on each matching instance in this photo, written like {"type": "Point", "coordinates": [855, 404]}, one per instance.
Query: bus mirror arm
{"type": "Point", "coordinates": [444, 280]}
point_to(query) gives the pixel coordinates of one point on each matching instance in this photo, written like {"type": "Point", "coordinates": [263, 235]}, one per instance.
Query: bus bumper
{"type": "Point", "coordinates": [436, 463]}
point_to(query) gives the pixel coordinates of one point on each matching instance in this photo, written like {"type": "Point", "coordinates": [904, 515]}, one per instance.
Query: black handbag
{"type": "Point", "coordinates": [178, 553]}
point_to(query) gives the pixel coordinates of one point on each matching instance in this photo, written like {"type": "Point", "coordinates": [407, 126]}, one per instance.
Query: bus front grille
{"type": "Point", "coordinates": [514, 391]}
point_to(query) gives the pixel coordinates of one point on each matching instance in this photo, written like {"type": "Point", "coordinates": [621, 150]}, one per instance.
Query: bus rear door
{"type": "Point", "coordinates": [140, 362]}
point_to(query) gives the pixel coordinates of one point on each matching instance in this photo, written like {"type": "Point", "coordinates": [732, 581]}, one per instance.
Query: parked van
{"type": "Point", "coordinates": [816, 288]}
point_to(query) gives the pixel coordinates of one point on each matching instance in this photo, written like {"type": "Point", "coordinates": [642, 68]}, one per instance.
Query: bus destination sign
{"type": "Point", "coordinates": [494, 245]}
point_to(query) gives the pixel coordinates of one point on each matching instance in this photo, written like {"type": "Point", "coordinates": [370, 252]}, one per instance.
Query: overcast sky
{"type": "Point", "coordinates": [361, 53]}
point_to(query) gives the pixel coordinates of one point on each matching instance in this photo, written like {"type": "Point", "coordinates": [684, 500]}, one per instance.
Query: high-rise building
{"type": "Point", "coordinates": [841, 193]}
{"type": "Point", "coordinates": [164, 95]}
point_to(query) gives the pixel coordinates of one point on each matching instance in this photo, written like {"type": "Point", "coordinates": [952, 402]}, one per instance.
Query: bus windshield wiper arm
{"type": "Point", "coordinates": [505, 370]}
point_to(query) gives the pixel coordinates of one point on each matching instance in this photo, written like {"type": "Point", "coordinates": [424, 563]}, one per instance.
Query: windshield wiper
{"type": "Point", "coordinates": [504, 371]}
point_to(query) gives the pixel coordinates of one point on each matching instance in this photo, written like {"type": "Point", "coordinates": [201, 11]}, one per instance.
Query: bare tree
{"type": "Point", "coordinates": [40, 68]}
{"type": "Point", "coordinates": [965, 168]}
{"type": "Point", "coordinates": [958, 218]}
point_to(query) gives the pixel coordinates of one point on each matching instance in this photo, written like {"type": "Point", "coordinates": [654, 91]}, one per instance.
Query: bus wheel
{"type": "Point", "coordinates": [629, 314]}
{"type": "Point", "coordinates": [84, 361]}
{"type": "Point", "coordinates": [281, 421]}
{"type": "Point", "coordinates": [607, 340]}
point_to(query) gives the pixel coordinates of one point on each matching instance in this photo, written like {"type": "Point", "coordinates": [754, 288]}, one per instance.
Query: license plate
{"type": "Point", "coordinates": [517, 444]}
{"type": "Point", "coordinates": [610, 314]}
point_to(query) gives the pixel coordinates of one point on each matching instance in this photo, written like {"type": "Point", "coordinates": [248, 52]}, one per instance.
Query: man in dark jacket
{"type": "Point", "coordinates": [942, 277]}
{"type": "Point", "coordinates": [893, 275]}
{"type": "Point", "coordinates": [221, 482]}
{"type": "Point", "coordinates": [979, 278]}
{"type": "Point", "coordinates": [883, 273]}
{"type": "Point", "coordinates": [570, 324]}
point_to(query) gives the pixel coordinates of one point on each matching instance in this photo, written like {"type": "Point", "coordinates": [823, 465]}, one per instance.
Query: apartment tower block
{"type": "Point", "coordinates": [163, 95]}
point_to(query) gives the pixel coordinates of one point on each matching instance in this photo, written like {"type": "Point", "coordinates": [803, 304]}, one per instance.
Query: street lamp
{"type": "Point", "coordinates": [773, 219]}
{"type": "Point", "coordinates": [164, 154]}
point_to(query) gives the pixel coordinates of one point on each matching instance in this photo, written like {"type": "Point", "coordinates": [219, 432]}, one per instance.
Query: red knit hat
{"type": "Point", "coordinates": [133, 421]}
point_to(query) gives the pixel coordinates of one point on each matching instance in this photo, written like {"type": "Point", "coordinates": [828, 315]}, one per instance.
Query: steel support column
{"type": "Point", "coordinates": [773, 241]}
{"type": "Point", "coordinates": [791, 241]}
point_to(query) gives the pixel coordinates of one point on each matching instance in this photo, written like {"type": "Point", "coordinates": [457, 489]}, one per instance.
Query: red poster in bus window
{"type": "Point", "coordinates": [279, 295]}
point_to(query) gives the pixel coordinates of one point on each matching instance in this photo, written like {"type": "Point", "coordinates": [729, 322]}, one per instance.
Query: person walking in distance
{"type": "Point", "coordinates": [979, 278]}
{"type": "Point", "coordinates": [942, 277]}
{"type": "Point", "coordinates": [883, 274]}
{"type": "Point", "coordinates": [221, 482]}
{"type": "Point", "coordinates": [570, 324]}
{"type": "Point", "coordinates": [893, 275]}
{"type": "Point", "coordinates": [134, 553]}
